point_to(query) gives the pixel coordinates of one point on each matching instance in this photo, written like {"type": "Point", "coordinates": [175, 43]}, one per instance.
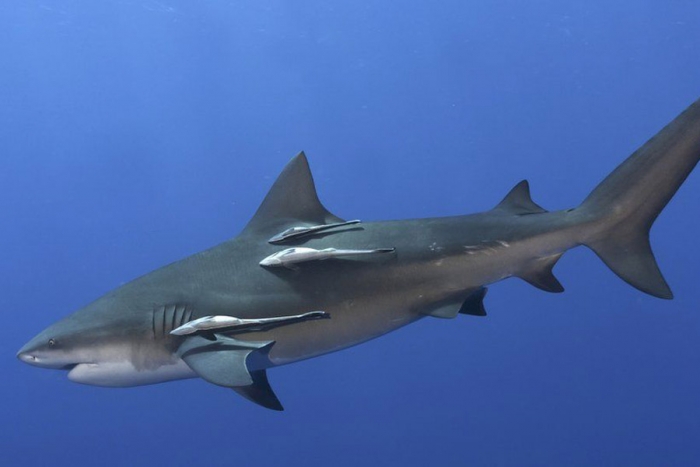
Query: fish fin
{"type": "Point", "coordinates": [474, 304]}
{"type": "Point", "coordinates": [518, 201]}
{"type": "Point", "coordinates": [539, 273]}
{"type": "Point", "coordinates": [260, 392]}
{"type": "Point", "coordinates": [208, 335]}
{"type": "Point", "coordinates": [232, 363]}
{"type": "Point", "coordinates": [631, 258]}
{"type": "Point", "coordinates": [471, 305]}
{"type": "Point", "coordinates": [448, 311]}
{"type": "Point", "coordinates": [291, 199]}
{"type": "Point", "coordinates": [623, 207]}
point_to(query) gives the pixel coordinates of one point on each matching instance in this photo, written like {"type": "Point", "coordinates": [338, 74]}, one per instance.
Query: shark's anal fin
{"type": "Point", "coordinates": [232, 363]}
{"type": "Point", "coordinates": [472, 305]}
{"type": "Point", "coordinates": [539, 273]}
{"type": "Point", "coordinates": [518, 201]}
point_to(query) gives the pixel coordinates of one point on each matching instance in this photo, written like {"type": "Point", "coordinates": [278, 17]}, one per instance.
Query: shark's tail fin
{"type": "Point", "coordinates": [622, 208]}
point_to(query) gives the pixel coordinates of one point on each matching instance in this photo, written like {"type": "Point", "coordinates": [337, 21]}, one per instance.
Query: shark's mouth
{"type": "Point", "coordinates": [70, 366]}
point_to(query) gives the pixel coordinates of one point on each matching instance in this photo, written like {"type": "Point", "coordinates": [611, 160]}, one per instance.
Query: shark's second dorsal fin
{"type": "Point", "coordinates": [518, 201]}
{"type": "Point", "coordinates": [291, 199]}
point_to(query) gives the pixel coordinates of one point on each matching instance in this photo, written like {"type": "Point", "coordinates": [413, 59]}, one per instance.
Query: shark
{"type": "Point", "coordinates": [229, 314]}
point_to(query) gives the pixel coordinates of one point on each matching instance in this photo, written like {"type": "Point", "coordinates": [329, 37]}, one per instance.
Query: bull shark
{"type": "Point", "coordinates": [227, 315]}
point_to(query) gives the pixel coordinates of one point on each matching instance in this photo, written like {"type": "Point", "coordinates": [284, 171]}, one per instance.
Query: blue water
{"type": "Point", "coordinates": [134, 133]}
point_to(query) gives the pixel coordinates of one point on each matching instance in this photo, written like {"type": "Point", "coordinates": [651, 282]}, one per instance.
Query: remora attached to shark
{"type": "Point", "coordinates": [227, 316]}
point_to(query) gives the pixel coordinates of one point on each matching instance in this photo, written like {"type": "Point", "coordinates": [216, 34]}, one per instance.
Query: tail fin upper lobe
{"type": "Point", "coordinates": [623, 207]}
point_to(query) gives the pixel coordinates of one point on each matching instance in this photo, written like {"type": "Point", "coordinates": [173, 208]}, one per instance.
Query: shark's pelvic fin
{"type": "Point", "coordinates": [518, 201]}
{"type": "Point", "coordinates": [473, 305]}
{"type": "Point", "coordinates": [618, 214]}
{"type": "Point", "coordinates": [448, 311]}
{"type": "Point", "coordinates": [291, 199]}
{"type": "Point", "coordinates": [232, 363]}
{"type": "Point", "coordinates": [539, 273]}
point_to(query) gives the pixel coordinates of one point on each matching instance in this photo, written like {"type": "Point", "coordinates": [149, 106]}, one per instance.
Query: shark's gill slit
{"type": "Point", "coordinates": [173, 313]}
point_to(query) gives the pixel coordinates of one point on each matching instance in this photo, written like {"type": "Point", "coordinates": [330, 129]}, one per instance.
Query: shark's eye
{"type": "Point", "coordinates": [52, 342]}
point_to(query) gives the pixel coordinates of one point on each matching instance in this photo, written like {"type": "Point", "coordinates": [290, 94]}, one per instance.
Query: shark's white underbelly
{"type": "Point", "coordinates": [124, 373]}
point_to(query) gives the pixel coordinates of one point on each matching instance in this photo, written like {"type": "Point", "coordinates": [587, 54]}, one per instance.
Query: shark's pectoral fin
{"type": "Point", "coordinates": [232, 363]}
{"type": "Point", "coordinates": [209, 335]}
{"type": "Point", "coordinates": [472, 305]}
{"type": "Point", "coordinates": [224, 361]}
{"type": "Point", "coordinates": [260, 391]}
{"type": "Point", "coordinates": [539, 273]}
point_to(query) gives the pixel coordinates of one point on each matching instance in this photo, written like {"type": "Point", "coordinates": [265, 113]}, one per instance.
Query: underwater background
{"type": "Point", "coordinates": [134, 133]}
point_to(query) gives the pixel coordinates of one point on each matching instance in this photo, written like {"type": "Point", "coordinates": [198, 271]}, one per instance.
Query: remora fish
{"type": "Point", "coordinates": [439, 268]}
{"type": "Point", "coordinates": [212, 324]}
{"type": "Point", "coordinates": [291, 256]}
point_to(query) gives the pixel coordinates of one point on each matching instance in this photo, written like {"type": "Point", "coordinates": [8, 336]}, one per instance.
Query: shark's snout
{"type": "Point", "coordinates": [31, 356]}
{"type": "Point", "coordinates": [26, 357]}
{"type": "Point", "coordinates": [27, 353]}
{"type": "Point", "coordinates": [37, 352]}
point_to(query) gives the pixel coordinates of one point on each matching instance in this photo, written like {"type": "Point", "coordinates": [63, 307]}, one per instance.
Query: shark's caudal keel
{"type": "Point", "coordinates": [299, 282]}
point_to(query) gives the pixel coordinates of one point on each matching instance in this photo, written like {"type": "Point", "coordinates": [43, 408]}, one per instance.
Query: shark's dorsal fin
{"type": "Point", "coordinates": [518, 201]}
{"type": "Point", "coordinates": [291, 200]}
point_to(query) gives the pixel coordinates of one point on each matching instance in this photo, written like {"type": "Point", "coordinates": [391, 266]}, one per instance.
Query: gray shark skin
{"type": "Point", "coordinates": [439, 267]}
